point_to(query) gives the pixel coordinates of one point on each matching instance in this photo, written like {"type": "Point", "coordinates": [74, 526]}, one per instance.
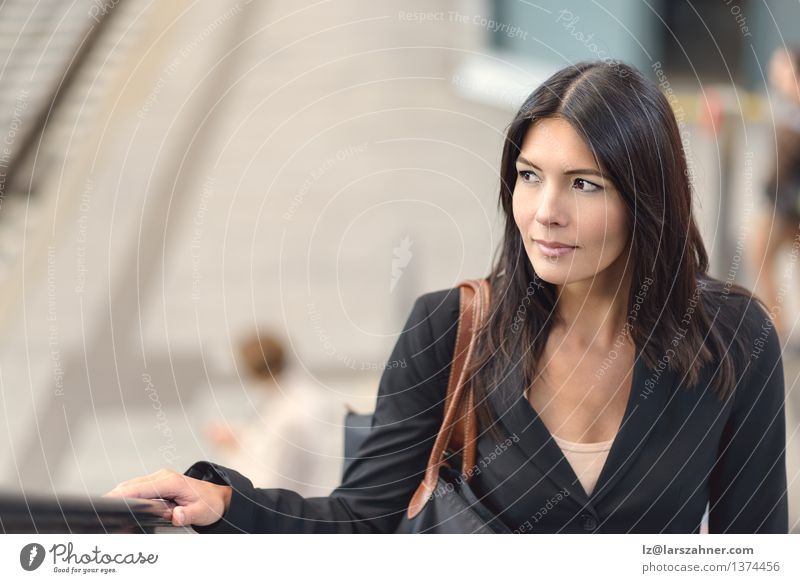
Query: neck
{"type": "Point", "coordinates": [594, 312]}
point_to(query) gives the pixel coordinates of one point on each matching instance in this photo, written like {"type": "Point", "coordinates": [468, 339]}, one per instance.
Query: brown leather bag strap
{"type": "Point", "coordinates": [471, 318]}
{"type": "Point", "coordinates": [459, 427]}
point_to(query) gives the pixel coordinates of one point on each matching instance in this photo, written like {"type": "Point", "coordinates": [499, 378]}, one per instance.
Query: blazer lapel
{"type": "Point", "coordinates": [518, 417]}
{"type": "Point", "coordinates": [645, 403]}
{"type": "Point", "coordinates": [650, 391]}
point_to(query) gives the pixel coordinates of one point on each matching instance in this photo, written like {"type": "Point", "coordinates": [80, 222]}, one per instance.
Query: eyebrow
{"type": "Point", "coordinates": [593, 171]}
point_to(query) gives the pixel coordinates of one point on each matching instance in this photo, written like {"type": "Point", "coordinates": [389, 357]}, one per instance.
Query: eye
{"type": "Point", "coordinates": [528, 176]}
{"type": "Point", "coordinates": [586, 186]}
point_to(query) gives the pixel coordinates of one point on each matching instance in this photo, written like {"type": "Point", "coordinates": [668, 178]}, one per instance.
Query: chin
{"type": "Point", "coordinates": [558, 273]}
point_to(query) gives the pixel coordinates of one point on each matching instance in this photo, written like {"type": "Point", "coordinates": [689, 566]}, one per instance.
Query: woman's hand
{"type": "Point", "coordinates": [197, 501]}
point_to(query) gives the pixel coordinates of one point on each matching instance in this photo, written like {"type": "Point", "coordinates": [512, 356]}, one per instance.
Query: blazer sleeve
{"type": "Point", "coordinates": [748, 483]}
{"type": "Point", "coordinates": [378, 485]}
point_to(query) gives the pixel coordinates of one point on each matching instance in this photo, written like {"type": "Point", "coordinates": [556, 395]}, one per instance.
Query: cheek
{"type": "Point", "coordinates": [603, 225]}
{"type": "Point", "coordinates": [522, 212]}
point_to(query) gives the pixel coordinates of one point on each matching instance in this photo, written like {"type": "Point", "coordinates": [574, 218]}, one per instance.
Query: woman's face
{"type": "Point", "coordinates": [782, 74]}
{"type": "Point", "coordinates": [562, 196]}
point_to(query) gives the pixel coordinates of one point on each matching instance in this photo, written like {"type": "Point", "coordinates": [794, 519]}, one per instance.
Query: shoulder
{"type": "Point", "coordinates": [430, 330]}
{"type": "Point", "coordinates": [741, 312]}
{"type": "Point", "coordinates": [441, 306]}
{"type": "Point", "coordinates": [748, 321]}
{"type": "Point", "coordinates": [437, 312]}
{"type": "Point", "coordinates": [414, 383]}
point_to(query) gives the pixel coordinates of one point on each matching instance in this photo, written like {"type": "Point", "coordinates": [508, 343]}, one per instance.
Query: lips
{"type": "Point", "coordinates": [554, 248]}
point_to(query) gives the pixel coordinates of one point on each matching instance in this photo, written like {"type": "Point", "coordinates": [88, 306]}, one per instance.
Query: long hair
{"type": "Point", "coordinates": [630, 127]}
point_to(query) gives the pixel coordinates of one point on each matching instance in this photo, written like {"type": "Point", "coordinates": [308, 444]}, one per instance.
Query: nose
{"type": "Point", "coordinates": [551, 211]}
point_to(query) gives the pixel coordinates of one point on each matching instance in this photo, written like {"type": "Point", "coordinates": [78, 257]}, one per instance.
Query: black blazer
{"type": "Point", "coordinates": [676, 450]}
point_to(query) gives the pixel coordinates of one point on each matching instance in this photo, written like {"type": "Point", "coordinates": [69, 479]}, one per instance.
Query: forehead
{"type": "Point", "coordinates": [555, 141]}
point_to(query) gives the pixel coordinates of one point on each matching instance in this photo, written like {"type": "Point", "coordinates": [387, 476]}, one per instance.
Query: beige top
{"type": "Point", "coordinates": [586, 459]}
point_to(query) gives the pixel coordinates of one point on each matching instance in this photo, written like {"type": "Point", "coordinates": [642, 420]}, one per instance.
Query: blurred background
{"type": "Point", "coordinates": [215, 216]}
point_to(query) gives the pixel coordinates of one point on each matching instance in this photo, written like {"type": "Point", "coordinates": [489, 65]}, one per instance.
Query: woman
{"type": "Point", "coordinates": [291, 437]}
{"type": "Point", "coordinates": [619, 387]}
{"type": "Point", "coordinates": [778, 222]}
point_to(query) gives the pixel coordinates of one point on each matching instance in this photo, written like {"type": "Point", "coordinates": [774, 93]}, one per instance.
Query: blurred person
{"type": "Point", "coordinates": [293, 438]}
{"type": "Point", "coordinates": [618, 386]}
{"type": "Point", "coordinates": [778, 222]}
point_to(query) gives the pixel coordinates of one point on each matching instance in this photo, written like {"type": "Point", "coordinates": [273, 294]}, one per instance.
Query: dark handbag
{"type": "Point", "coordinates": [356, 428]}
{"type": "Point", "coordinates": [444, 502]}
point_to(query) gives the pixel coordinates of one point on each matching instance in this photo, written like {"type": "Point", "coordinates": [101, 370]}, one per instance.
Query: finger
{"type": "Point", "coordinates": [164, 487]}
{"type": "Point", "coordinates": [160, 474]}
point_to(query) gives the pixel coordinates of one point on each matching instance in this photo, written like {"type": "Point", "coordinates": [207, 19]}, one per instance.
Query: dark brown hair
{"type": "Point", "coordinates": [630, 127]}
{"type": "Point", "coordinates": [263, 355]}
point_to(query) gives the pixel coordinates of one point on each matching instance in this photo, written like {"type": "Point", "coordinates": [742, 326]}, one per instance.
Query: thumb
{"type": "Point", "coordinates": [180, 516]}
{"type": "Point", "coordinates": [198, 513]}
